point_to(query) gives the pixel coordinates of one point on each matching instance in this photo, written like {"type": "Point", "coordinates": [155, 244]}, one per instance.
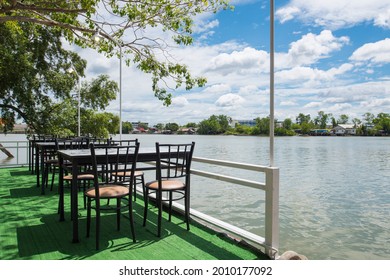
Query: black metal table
{"type": "Point", "coordinates": [40, 149]}
{"type": "Point", "coordinates": [83, 157]}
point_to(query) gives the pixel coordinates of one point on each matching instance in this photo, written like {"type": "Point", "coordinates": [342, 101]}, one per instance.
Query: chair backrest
{"type": "Point", "coordinates": [99, 141]}
{"type": "Point", "coordinates": [78, 143]}
{"type": "Point", "coordinates": [51, 153]}
{"type": "Point", "coordinates": [108, 160]}
{"type": "Point", "coordinates": [173, 160]}
{"type": "Point", "coordinates": [123, 142]}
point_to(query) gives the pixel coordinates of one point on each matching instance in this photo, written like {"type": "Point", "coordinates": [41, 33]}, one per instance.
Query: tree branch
{"type": "Point", "coordinates": [20, 112]}
{"type": "Point", "coordinates": [41, 9]}
{"type": "Point", "coordinates": [47, 22]}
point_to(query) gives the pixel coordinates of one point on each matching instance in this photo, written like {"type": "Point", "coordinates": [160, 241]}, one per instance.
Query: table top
{"type": "Point", "coordinates": [53, 144]}
{"type": "Point", "coordinates": [84, 155]}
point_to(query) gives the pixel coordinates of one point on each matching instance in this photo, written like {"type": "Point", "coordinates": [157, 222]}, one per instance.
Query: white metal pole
{"type": "Point", "coordinates": [120, 91]}
{"type": "Point", "coordinates": [71, 70]}
{"type": "Point", "coordinates": [119, 44]}
{"type": "Point", "coordinates": [78, 109]}
{"type": "Point", "coordinates": [272, 82]}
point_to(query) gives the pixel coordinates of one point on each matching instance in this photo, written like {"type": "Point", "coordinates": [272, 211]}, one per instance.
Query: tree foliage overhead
{"type": "Point", "coordinates": [32, 72]}
{"type": "Point", "coordinates": [128, 24]}
{"type": "Point", "coordinates": [36, 86]}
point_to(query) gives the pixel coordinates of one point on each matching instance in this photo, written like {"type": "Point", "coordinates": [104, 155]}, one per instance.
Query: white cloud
{"type": "Point", "coordinates": [306, 76]}
{"type": "Point", "coordinates": [288, 103]}
{"type": "Point", "coordinates": [218, 88]}
{"type": "Point", "coordinates": [311, 48]}
{"type": "Point", "coordinates": [229, 100]}
{"type": "Point", "coordinates": [179, 101]}
{"type": "Point", "coordinates": [335, 14]}
{"type": "Point", "coordinates": [383, 18]}
{"type": "Point", "coordinates": [377, 53]}
{"type": "Point", "coordinates": [287, 13]}
{"type": "Point", "coordinates": [249, 90]}
{"type": "Point", "coordinates": [339, 108]}
{"type": "Point", "coordinates": [377, 103]}
{"type": "Point", "coordinates": [205, 26]}
{"type": "Point", "coordinates": [313, 105]}
{"type": "Point", "coordinates": [242, 62]}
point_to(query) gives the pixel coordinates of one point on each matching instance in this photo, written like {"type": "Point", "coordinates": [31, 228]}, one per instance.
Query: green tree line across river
{"type": "Point", "coordinates": [368, 125]}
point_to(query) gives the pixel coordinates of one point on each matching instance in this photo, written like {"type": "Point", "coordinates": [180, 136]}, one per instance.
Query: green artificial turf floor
{"type": "Point", "coordinates": [30, 230]}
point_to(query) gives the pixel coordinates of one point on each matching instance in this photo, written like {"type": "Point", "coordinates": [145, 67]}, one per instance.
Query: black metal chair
{"type": "Point", "coordinates": [172, 177]}
{"type": "Point", "coordinates": [139, 176]}
{"type": "Point", "coordinates": [85, 176]}
{"type": "Point", "coordinates": [50, 165]}
{"type": "Point", "coordinates": [106, 160]}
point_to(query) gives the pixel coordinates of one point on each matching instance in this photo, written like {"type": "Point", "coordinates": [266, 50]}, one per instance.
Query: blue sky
{"type": "Point", "coordinates": [331, 56]}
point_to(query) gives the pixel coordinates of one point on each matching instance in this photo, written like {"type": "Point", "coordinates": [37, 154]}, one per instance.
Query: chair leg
{"type": "Point", "coordinates": [88, 216]}
{"type": "Point", "coordinates": [118, 213]}
{"type": "Point", "coordinates": [84, 189]}
{"type": "Point", "coordinates": [146, 201]}
{"type": "Point", "coordinates": [97, 224]}
{"type": "Point", "coordinates": [131, 218]}
{"type": "Point", "coordinates": [45, 176]}
{"type": "Point", "coordinates": [187, 208]}
{"type": "Point", "coordinates": [159, 204]}
{"type": "Point", "coordinates": [138, 180]}
{"type": "Point", "coordinates": [52, 178]}
{"type": "Point", "coordinates": [170, 205]}
{"type": "Point", "coordinates": [135, 188]}
{"type": "Point", "coordinates": [143, 184]}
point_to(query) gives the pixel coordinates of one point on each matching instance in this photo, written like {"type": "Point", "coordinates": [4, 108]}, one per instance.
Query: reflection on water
{"type": "Point", "coordinates": [334, 191]}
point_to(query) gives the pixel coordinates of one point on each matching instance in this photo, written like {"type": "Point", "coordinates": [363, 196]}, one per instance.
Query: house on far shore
{"type": "Point", "coordinates": [186, 130]}
{"type": "Point", "coordinates": [344, 129]}
{"type": "Point", "coordinates": [250, 123]}
{"type": "Point", "coordinates": [19, 128]}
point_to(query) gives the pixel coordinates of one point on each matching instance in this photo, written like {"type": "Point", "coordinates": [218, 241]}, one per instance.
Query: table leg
{"type": "Point", "coordinates": [42, 163]}
{"type": "Point", "coordinates": [61, 189]}
{"type": "Point", "coordinates": [74, 202]}
{"type": "Point", "coordinates": [37, 166]}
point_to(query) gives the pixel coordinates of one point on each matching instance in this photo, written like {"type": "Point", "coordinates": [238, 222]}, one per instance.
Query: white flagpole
{"type": "Point", "coordinates": [271, 84]}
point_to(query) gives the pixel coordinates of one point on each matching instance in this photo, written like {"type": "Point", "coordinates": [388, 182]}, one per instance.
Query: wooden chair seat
{"type": "Point", "coordinates": [109, 191]}
{"type": "Point", "coordinates": [127, 174]}
{"type": "Point", "coordinates": [52, 161]}
{"type": "Point", "coordinates": [79, 177]}
{"type": "Point", "coordinates": [167, 185]}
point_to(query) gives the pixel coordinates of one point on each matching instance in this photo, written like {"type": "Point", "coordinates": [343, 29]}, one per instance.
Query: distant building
{"type": "Point", "coordinates": [19, 128]}
{"type": "Point", "coordinates": [139, 127]}
{"type": "Point", "coordinates": [319, 132]}
{"type": "Point", "coordinates": [185, 130]}
{"type": "Point", "coordinates": [344, 129]}
{"type": "Point", "coordinates": [137, 124]}
{"type": "Point", "coordinates": [250, 123]}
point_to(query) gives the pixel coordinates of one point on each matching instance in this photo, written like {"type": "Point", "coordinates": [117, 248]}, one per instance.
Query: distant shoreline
{"type": "Point", "coordinates": [240, 135]}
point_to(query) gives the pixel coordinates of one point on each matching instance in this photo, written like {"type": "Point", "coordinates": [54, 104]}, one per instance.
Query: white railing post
{"type": "Point", "coordinates": [272, 211]}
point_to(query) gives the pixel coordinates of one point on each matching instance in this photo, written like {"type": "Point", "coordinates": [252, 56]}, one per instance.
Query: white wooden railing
{"type": "Point", "coordinates": [18, 149]}
{"type": "Point", "coordinates": [271, 187]}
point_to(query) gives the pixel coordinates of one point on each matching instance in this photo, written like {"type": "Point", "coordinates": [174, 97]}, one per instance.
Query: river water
{"type": "Point", "coordinates": [334, 191]}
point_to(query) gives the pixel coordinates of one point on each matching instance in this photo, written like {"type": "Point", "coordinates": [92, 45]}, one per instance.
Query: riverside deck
{"type": "Point", "coordinates": [30, 230]}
